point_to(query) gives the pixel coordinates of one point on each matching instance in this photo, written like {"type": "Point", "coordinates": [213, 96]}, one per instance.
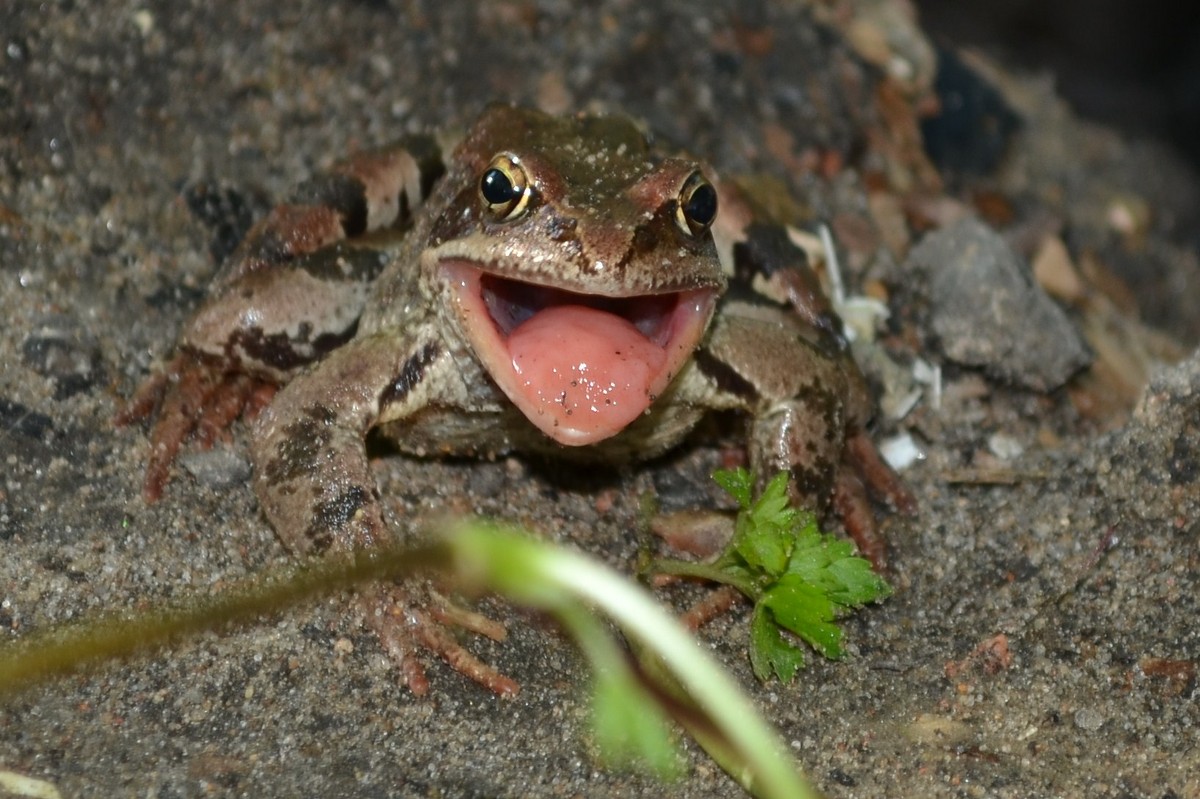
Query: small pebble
{"type": "Point", "coordinates": [219, 467]}
{"type": "Point", "coordinates": [1088, 718]}
{"type": "Point", "coordinates": [1005, 447]}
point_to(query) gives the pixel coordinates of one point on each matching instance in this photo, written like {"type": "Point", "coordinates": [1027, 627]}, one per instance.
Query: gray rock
{"type": "Point", "coordinates": [987, 311]}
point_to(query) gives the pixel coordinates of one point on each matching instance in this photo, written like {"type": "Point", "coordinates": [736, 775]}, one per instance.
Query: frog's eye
{"type": "Point", "coordinates": [697, 205]}
{"type": "Point", "coordinates": [505, 188]}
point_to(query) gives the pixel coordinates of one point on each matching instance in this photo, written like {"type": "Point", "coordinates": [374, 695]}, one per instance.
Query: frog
{"type": "Point", "coordinates": [558, 286]}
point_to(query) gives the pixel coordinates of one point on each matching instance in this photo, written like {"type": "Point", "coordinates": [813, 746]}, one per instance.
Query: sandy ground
{"type": "Point", "coordinates": [1041, 642]}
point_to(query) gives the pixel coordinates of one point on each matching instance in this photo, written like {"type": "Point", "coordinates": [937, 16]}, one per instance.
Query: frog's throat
{"type": "Point", "coordinates": [580, 367]}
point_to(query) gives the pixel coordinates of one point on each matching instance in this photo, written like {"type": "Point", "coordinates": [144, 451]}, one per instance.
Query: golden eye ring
{"type": "Point", "coordinates": [505, 188]}
{"type": "Point", "coordinates": [696, 209]}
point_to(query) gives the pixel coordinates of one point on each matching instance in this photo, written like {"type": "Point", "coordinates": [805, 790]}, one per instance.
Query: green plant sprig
{"type": "Point", "coordinates": [800, 579]}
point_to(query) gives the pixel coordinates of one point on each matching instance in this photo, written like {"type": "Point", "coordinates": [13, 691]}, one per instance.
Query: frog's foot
{"type": "Point", "coordinates": [193, 398]}
{"type": "Point", "coordinates": [404, 627]}
{"type": "Point", "coordinates": [865, 474]}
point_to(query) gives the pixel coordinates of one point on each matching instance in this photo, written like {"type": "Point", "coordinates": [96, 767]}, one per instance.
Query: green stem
{"type": "Point", "coordinates": [713, 572]}
{"type": "Point", "coordinates": [62, 650]}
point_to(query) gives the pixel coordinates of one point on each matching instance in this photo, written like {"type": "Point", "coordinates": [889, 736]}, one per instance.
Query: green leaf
{"type": "Point", "coordinates": [830, 563]}
{"type": "Point", "coordinates": [764, 548]}
{"type": "Point", "coordinates": [631, 731]}
{"type": "Point", "coordinates": [810, 557]}
{"type": "Point", "coordinates": [804, 609]}
{"type": "Point", "coordinates": [764, 535]}
{"type": "Point", "coordinates": [858, 584]}
{"type": "Point", "coordinates": [771, 508]}
{"type": "Point", "coordinates": [770, 653]}
{"type": "Point", "coordinates": [738, 483]}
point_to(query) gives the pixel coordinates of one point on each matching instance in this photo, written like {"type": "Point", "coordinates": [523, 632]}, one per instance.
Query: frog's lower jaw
{"type": "Point", "coordinates": [579, 367]}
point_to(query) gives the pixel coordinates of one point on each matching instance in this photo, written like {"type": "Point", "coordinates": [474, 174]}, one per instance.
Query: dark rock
{"type": "Point", "coordinates": [18, 419]}
{"type": "Point", "coordinates": [970, 133]}
{"type": "Point", "coordinates": [225, 211]}
{"type": "Point", "coordinates": [61, 349]}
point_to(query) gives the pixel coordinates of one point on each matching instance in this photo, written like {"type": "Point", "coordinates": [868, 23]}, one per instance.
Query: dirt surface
{"type": "Point", "coordinates": [1042, 639]}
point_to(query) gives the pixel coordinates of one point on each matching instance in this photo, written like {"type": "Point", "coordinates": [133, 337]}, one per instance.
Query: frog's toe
{"type": "Point", "coordinates": [145, 400]}
{"type": "Point", "coordinates": [405, 627]}
{"type": "Point", "coordinates": [238, 396]}
{"type": "Point", "coordinates": [853, 507]}
{"type": "Point", "coordinates": [881, 480]}
{"type": "Point", "coordinates": [194, 398]}
{"type": "Point", "coordinates": [715, 604]}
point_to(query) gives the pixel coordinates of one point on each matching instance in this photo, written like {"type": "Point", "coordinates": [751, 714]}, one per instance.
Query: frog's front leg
{"type": "Point", "coordinates": [800, 420]}
{"type": "Point", "coordinates": [794, 394]}
{"type": "Point", "coordinates": [315, 486]}
{"type": "Point", "coordinates": [799, 436]}
{"type": "Point", "coordinates": [291, 292]}
{"type": "Point", "coordinates": [808, 406]}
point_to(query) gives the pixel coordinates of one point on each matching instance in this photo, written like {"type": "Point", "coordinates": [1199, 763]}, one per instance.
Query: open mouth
{"type": "Point", "coordinates": [581, 367]}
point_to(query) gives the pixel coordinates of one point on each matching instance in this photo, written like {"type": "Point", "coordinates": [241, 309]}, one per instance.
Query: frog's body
{"type": "Point", "coordinates": [559, 291]}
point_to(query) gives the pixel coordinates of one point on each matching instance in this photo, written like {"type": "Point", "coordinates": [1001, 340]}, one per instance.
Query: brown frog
{"type": "Point", "coordinates": [552, 285]}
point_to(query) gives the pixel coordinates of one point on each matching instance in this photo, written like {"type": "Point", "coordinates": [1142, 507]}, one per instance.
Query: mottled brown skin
{"type": "Point", "coordinates": [343, 299]}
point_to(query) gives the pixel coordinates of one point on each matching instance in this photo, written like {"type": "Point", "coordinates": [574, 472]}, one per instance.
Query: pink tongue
{"type": "Point", "coordinates": [587, 370]}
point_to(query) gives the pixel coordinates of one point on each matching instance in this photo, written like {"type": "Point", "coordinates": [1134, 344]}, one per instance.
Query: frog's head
{"type": "Point", "coordinates": [580, 265]}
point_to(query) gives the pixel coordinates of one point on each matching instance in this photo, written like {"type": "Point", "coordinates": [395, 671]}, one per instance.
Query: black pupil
{"type": "Point", "coordinates": [497, 188]}
{"type": "Point", "coordinates": [701, 206]}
